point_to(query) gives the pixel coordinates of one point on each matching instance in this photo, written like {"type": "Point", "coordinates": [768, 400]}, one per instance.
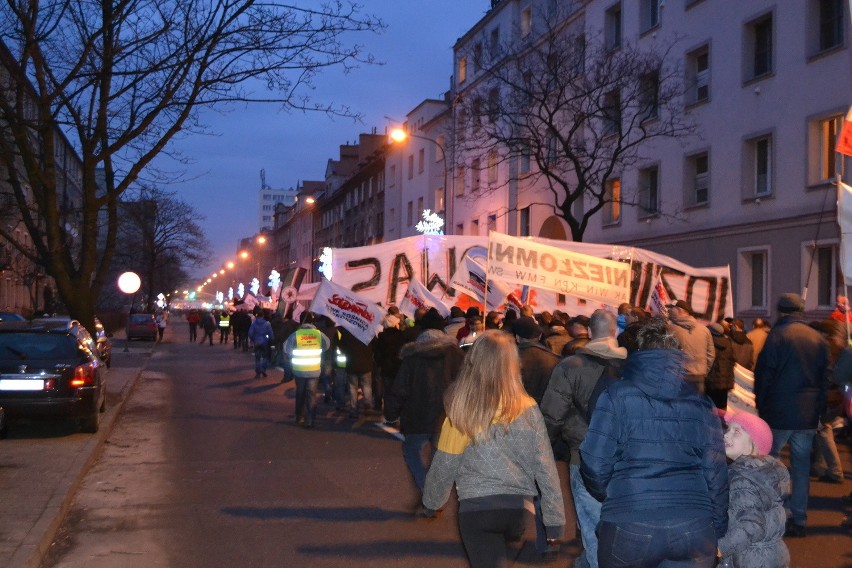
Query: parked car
{"type": "Point", "coordinates": [103, 344]}
{"type": "Point", "coordinates": [142, 326]}
{"type": "Point", "coordinates": [11, 316]}
{"type": "Point", "coordinates": [51, 369]}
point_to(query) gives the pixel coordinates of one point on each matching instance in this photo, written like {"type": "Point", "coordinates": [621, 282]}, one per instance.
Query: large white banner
{"type": "Point", "coordinates": [844, 219]}
{"type": "Point", "coordinates": [525, 262]}
{"type": "Point", "coordinates": [381, 274]}
{"type": "Point", "coordinates": [360, 316]}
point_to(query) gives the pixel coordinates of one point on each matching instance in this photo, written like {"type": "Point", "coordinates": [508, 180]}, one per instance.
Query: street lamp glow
{"type": "Point", "coordinates": [129, 282]}
{"type": "Point", "coordinates": [230, 265]}
{"type": "Point", "coordinates": [398, 135]}
{"type": "Point", "coordinates": [261, 240]}
{"type": "Point", "coordinates": [310, 200]}
{"type": "Point", "coordinates": [244, 254]}
{"type": "Point", "coordinates": [222, 271]}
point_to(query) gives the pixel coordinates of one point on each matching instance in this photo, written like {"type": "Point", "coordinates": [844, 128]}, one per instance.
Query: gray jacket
{"type": "Point", "coordinates": [756, 518]}
{"type": "Point", "coordinates": [696, 342]}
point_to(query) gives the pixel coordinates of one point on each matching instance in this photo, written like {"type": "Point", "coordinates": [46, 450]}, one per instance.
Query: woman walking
{"type": "Point", "coordinates": [494, 447]}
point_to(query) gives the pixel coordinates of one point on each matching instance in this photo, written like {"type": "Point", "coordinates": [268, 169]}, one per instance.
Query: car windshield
{"type": "Point", "coordinates": [144, 318]}
{"type": "Point", "coordinates": [25, 346]}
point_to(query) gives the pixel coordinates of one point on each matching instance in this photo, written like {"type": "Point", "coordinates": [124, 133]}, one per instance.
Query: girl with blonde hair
{"type": "Point", "coordinates": [495, 449]}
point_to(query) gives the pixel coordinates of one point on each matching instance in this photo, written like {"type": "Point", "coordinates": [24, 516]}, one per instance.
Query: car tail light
{"type": "Point", "coordinates": [84, 375]}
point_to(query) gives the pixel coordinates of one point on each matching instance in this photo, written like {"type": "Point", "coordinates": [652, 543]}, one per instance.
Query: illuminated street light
{"type": "Point", "coordinates": [261, 240]}
{"type": "Point", "coordinates": [399, 135]}
{"type": "Point", "coordinates": [244, 254]}
{"type": "Point", "coordinates": [230, 265]}
{"type": "Point", "coordinates": [310, 200]}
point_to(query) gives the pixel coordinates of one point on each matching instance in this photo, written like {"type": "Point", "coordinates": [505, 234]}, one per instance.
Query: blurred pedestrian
{"type": "Point", "coordinates": [695, 341]}
{"type": "Point", "coordinates": [720, 379]}
{"type": "Point", "coordinates": [261, 336]}
{"type": "Point", "coordinates": [161, 321]}
{"type": "Point", "coordinates": [305, 348]}
{"type": "Point", "coordinates": [208, 324]}
{"type": "Point", "coordinates": [193, 318]}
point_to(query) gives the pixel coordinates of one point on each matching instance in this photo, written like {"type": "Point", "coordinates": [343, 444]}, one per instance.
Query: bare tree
{"type": "Point", "coordinates": [576, 113]}
{"type": "Point", "coordinates": [120, 79]}
{"type": "Point", "coordinates": [160, 236]}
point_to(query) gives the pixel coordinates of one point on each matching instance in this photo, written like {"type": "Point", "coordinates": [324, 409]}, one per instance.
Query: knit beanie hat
{"type": "Point", "coordinates": [755, 427]}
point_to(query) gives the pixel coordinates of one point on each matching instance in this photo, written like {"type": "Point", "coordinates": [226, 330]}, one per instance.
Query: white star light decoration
{"type": "Point", "coordinates": [325, 262]}
{"type": "Point", "coordinates": [432, 224]}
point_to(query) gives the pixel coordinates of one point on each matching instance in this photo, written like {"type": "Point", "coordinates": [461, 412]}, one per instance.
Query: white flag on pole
{"type": "Point", "coordinates": [418, 296]}
{"type": "Point", "coordinates": [844, 220]}
{"type": "Point", "coordinates": [347, 309]}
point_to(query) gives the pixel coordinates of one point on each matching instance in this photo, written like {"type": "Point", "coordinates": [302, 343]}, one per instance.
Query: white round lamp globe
{"type": "Point", "coordinates": [129, 282]}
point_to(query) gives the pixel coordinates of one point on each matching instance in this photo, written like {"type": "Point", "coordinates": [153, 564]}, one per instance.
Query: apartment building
{"type": "Point", "coordinates": [758, 89]}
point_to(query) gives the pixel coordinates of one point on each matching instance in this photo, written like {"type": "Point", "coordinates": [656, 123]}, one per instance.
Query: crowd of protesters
{"type": "Point", "coordinates": [636, 405]}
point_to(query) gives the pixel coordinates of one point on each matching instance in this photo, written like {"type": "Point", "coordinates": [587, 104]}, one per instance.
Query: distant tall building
{"type": "Point", "coordinates": [268, 198]}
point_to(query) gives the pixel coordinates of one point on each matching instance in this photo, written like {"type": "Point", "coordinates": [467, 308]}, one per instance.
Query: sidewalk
{"type": "Point", "coordinates": [42, 463]}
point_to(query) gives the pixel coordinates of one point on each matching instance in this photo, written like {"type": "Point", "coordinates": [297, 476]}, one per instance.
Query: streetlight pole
{"type": "Point", "coordinates": [399, 135]}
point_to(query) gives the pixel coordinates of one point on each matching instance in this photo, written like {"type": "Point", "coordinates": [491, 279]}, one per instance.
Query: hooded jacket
{"type": "Point", "coordinates": [428, 365]}
{"type": "Point", "coordinates": [696, 343]}
{"type": "Point", "coordinates": [721, 375]}
{"type": "Point", "coordinates": [566, 401]}
{"type": "Point", "coordinates": [654, 447]}
{"type": "Point", "coordinates": [756, 518]}
{"type": "Point", "coordinates": [743, 349]}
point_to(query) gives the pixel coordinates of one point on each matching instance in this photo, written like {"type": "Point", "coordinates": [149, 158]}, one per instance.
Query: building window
{"type": "Point", "coordinates": [824, 163]}
{"type": "Point", "coordinates": [410, 166]}
{"type": "Point", "coordinates": [410, 213]}
{"type": "Point", "coordinates": [649, 191]}
{"type": "Point", "coordinates": [649, 14]}
{"type": "Point", "coordinates": [460, 175]}
{"type": "Point", "coordinates": [474, 227]}
{"type": "Point", "coordinates": [823, 273]}
{"type": "Point", "coordinates": [460, 228]}
{"type": "Point", "coordinates": [461, 127]}
{"type": "Point", "coordinates": [492, 167]}
{"type": "Point", "coordinates": [612, 205]}
{"type": "Point", "coordinates": [649, 95]}
{"type": "Point", "coordinates": [439, 200]}
{"type": "Point", "coordinates": [419, 208]}
{"type": "Point", "coordinates": [494, 44]}
{"type": "Point", "coordinates": [492, 222]}
{"type": "Point", "coordinates": [476, 175]}
{"type": "Point", "coordinates": [526, 21]}
{"type": "Point", "coordinates": [698, 74]}
{"type": "Point", "coordinates": [698, 173]}
{"type": "Point", "coordinates": [759, 152]}
{"type": "Point", "coordinates": [421, 160]}
{"type": "Point", "coordinates": [525, 158]}
{"type": "Point", "coordinates": [612, 113]}
{"type": "Point", "coordinates": [612, 27]}
{"type": "Point", "coordinates": [753, 282]}
{"type": "Point", "coordinates": [524, 222]}
{"type": "Point", "coordinates": [477, 57]}
{"type": "Point", "coordinates": [493, 104]}
{"type": "Point", "coordinates": [442, 143]}
{"type": "Point", "coordinates": [826, 25]}
{"type": "Point", "coordinates": [759, 47]}
{"type": "Point", "coordinates": [462, 70]}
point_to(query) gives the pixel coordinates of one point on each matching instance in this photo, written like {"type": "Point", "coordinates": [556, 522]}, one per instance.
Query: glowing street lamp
{"type": "Point", "coordinates": [129, 283]}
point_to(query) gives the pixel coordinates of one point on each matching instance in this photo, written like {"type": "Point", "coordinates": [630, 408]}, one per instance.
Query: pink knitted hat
{"type": "Point", "coordinates": [755, 427]}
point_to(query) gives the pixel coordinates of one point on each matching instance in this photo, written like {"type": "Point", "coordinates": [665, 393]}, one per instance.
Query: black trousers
{"type": "Point", "coordinates": [485, 534]}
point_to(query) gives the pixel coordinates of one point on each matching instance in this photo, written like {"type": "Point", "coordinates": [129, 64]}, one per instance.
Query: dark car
{"type": "Point", "coordinates": [103, 343]}
{"type": "Point", "coordinates": [142, 326]}
{"type": "Point", "coordinates": [51, 369]}
{"type": "Point", "coordinates": [11, 316]}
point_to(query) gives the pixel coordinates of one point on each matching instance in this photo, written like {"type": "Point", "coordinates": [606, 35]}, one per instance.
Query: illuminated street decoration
{"type": "Point", "coordinates": [274, 285]}
{"type": "Point", "coordinates": [432, 224]}
{"type": "Point", "coordinates": [220, 298]}
{"type": "Point", "coordinates": [241, 290]}
{"type": "Point", "coordinates": [230, 293]}
{"type": "Point", "coordinates": [161, 301]}
{"type": "Point", "coordinates": [325, 262]}
{"type": "Point", "coordinates": [255, 286]}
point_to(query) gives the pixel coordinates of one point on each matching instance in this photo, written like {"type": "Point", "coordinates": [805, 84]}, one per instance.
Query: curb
{"type": "Point", "coordinates": [38, 541]}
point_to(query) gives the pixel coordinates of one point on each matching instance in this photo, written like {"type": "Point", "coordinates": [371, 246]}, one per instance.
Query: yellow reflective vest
{"type": "Point", "coordinates": [306, 358]}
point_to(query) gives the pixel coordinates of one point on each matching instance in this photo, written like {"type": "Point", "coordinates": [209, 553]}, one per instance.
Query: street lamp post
{"type": "Point", "coordinates": [399, 135]}
{"type": "Point", "coordinates": [129, 283]}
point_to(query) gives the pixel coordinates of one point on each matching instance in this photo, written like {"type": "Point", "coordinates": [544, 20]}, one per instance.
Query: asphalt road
{"type": "Point", "coordinates": [206, 467]}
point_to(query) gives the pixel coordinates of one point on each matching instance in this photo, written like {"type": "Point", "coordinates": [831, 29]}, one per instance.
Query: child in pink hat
{"type": "Point", "coordinates": [758, 485]}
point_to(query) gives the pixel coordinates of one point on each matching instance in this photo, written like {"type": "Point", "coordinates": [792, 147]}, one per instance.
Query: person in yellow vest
{"type": "Point", "coordinates": [224, 327]}
{"type": "Point", "coordinates": [305, 348]}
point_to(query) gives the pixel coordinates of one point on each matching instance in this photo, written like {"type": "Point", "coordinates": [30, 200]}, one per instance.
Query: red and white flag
{"type": "Point", "coordinates": [418, 296]}
{"type": "Point", "coordinates": [347, 309]}
{"type": "Point", "coordinates": [844, 141]}
{"type": "Point", "coordinates": [470, 279]}
{"type": "Point", "coordinates": [659, 300]}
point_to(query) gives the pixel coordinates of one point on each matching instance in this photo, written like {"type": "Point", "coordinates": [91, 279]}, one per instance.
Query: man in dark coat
{"type": "Point", "coordinates": [790, 381]}
{"type": "Point", "coordinates": [578, 329]}
{"type": "Point", "coordinates": [428, 365]}
{"type": "Point", "coordinates": [537, 361]}
{"type": "Point", "coordinates": [743, 349]}
{"type": "Point", "coordinates": [720, 379]}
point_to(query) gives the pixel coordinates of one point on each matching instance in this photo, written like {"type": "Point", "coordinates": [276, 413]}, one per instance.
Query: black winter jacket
{"type": "Point", "coordinates": [537, 363]}
{"type": "Point", "coordinates": [791, 376]}
{"type": "Point", "coordinates": [428, 366]}
{"type": "Point", "coordinates": [721, 375]}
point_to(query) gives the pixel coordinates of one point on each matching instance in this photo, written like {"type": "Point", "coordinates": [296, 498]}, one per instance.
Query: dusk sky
{"type": "Point", "coordinates": [223, 181]}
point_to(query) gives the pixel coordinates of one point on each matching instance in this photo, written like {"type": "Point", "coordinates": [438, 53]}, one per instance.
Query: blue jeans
{"type": "Point", "coordinates": [412, 453]}
{"type": "Point", "coordinates": [261, 358]}
{"type": "Point", "coordinates": [801, 442]}
{"type": "Point", "coordinates": [588, 515]}
{"type": "Point", "coordinates": [306, 398]}
{"type": "Point", "coordinates": [667, 543]}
